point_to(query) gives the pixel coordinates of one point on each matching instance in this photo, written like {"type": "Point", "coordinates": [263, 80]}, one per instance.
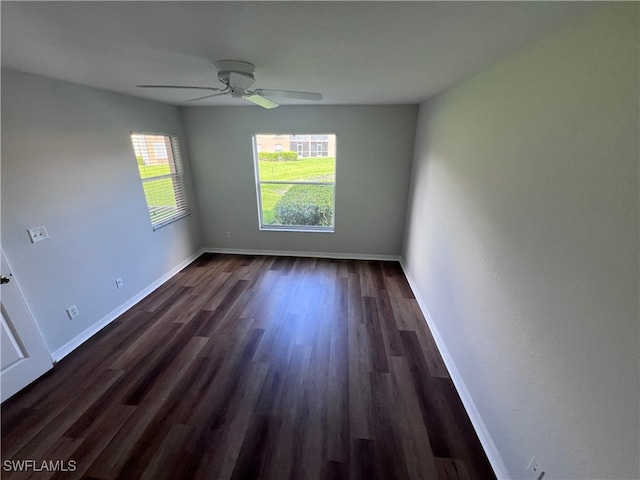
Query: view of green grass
{"type": "Point", "coordinates": [159, 193]}
{"type": "Point", "coordinates": [271, 194]}
{"type": "Point", "coordinates": [147, 171]}
{"type": "Point", "coordinates": [320, 169]}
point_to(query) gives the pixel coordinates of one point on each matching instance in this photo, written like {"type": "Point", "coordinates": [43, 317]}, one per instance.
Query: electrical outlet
{"type": "Point", "coordinates": [73, 312]}
{"type": "Point", "coordinates": [119, 283]}
{"type": "Point", "coordinates": [36, 234]}
{"type": "Point", "coordinates": [228, 234]}
{"type": "Point", "coordinates": [534, 469]}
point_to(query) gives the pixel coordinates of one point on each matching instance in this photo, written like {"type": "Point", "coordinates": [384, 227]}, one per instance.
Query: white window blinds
{"type": "Point", "coordinates": [160, 166]}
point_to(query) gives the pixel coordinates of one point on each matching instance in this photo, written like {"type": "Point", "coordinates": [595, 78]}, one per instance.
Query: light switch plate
{"type": "Point", "coordinates": [37, 234]}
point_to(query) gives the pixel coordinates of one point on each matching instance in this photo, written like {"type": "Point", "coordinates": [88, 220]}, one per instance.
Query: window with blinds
{"type": "Point", "coordinates": [160, 167]}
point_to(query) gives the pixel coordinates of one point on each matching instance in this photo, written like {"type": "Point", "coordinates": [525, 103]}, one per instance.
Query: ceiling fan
{"type": "Point", "coordinates": [237, 77]}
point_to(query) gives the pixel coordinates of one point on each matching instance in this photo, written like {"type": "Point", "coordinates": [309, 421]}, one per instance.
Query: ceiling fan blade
{"type": "Point", "coordinates": [213, 89]}
{"type": "Point", "coordinates": [290, 94]}
{"type": "Point", "coordinates": [260, 100]}
{"type": "Point", "coordinates": [207, 96]}
{"type": "Point", "coordinates": [237, 80]}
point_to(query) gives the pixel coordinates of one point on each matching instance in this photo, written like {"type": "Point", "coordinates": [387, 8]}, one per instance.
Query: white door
{"type": "Point", "coordinates": [24, 354]}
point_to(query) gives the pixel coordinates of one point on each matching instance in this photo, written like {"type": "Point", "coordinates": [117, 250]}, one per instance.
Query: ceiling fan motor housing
{"type": "Point", "coordinates": [226, 67]}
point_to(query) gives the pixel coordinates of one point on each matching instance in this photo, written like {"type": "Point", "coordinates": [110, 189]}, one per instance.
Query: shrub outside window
{"type": "Point", "coordinates": [295, 181]}
{"type": "Point", "coordinates": [160, 167]}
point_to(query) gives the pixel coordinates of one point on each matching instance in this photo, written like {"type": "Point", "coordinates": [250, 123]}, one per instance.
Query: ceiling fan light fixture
{"type": "Point", "coordinates": [260, 100]}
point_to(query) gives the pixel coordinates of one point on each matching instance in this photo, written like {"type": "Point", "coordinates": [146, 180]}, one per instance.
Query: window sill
{"type": "Point", "coordinates": [286, 228]}
{"type": "Point", "coordinates": [171, 220]}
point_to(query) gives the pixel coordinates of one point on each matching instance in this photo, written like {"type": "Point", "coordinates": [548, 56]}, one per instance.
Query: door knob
{"type": "Point", "coordinates": [4, 279]}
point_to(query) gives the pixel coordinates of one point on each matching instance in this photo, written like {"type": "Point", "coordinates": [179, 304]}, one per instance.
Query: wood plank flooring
{"type": "Point", "coordinates": [253, 367]}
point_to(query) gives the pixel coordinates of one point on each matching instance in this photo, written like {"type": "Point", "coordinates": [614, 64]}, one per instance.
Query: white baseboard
{"type": "Point", "coordinates": [493, 455]}
{"type": "Point", "coordinates": [85, 335]}
{"type": "Point", "coordinates": [293, 253]}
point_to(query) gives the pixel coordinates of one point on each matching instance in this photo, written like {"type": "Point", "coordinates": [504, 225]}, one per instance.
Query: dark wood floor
{"type": "Point", "coordinates": [254, 367]}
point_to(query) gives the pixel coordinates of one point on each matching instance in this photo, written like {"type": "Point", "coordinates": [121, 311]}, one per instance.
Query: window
{"type": "Point", "coordinates": [296, 186]}
{"type": "Point", "coordinates": [160, 167]}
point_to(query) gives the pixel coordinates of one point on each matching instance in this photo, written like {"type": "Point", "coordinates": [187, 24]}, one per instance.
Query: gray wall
{"type": "Point", "coordinates": [68, 164]}
{"type": "Point", "coordinates": [374, 153]}
{"type": "Point", "coordinates": [522, 237]}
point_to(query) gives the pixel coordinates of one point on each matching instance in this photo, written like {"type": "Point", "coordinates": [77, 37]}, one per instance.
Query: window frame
{"type": "Point", "coordinates": [176, 175]}
{"type": "Point", "coordinates": [292, 228]}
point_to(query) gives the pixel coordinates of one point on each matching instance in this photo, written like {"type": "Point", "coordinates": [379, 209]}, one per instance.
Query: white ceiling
{"type": "Point", "coordinates": [352, 52]}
